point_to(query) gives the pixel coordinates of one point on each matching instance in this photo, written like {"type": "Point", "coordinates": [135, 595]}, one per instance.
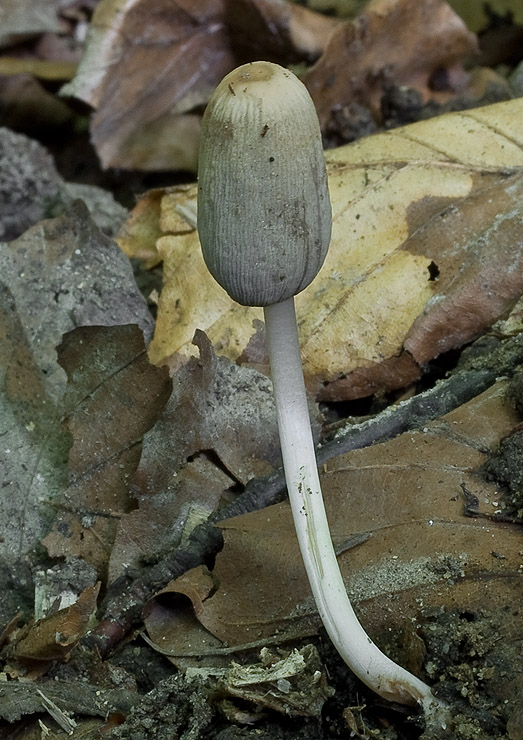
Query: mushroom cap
{"type": "Point", "coordinates": [264, 214]}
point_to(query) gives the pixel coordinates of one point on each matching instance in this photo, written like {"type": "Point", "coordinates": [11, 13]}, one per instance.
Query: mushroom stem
{"type": "Point", "coordinates": [363, 657]}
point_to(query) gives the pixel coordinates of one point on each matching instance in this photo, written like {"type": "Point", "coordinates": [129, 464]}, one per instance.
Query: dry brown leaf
{"type": "Point", "coordinates": [400, 522]}
{"type": "Point", "coordinates": [114, 396]}
{"type": "Point", "coordinates": [169, 514]}
{"type": "Point", "coordinates": [148, 63]}
{"type": "Point", "coordinates": [53, 637]}
{"type": "Point", "coordinates": [139, 234]}
{"type": "Point", "coordinates": [215, 405]}
{"type": "Point", "coordinates": [150, 120]}
{"type": "Point", "coordinates": [58, 275]}
{"type": "Point", "coordinates": [218, 429]}
{"type": "Point", "coordinates": [426, 253]}
{"type": "Point", "coordinates": [404, 41]}
{"type": "Point", "coordinates": [77, 277]}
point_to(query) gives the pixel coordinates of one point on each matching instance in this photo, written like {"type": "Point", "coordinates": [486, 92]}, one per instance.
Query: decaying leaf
{"type": "Point", "coordinates": [53, 637]}
{"type": "Point", "coordinates": [64, 273]}
{"type": "Point", "coordinates": [33, 463]}
{"type": "Point", "coordinates": [166, 517]}
{"type": "Point", "coordinates": [114, 396]}
{"type": "Point", "coordinates": [294, 684]}
{"type": "Point", "coordinates": [138, 235]}
{"type": "Point", "coordinates": [59, 586]}
{"type": "Point", "coordinates": [402, 526]}
{"type": "Point", "coordinates": [150, 120]}
{"type": "Point", "coordinates": [19, 698]}
{"type": "Point", "coordinates": [218, 429]}
{"type": "Point", "coordinates": [216, 406]}
{"type": "Point", "coordinates": [58, 275]}
{"type": "Point", "coordinates": [149, 63]}
{"type": "Point", "coordinates": [383, 46]}
{"type": "Point", "coordinates": [426, 253]}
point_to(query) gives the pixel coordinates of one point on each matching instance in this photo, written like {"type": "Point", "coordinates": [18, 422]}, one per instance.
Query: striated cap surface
{"type": "Point", "coordinates": [264, 215]}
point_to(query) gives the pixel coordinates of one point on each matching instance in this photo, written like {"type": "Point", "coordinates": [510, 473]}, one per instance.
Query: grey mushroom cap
{"type": "Point", "coordinates": [264, 214]}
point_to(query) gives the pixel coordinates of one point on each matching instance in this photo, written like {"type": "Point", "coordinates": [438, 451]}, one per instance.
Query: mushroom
{"type": "Point", "coordinates": [264, 221]}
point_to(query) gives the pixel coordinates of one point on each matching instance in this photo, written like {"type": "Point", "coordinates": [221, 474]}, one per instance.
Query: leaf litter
{"type": "Point", "coordinates": [425, 255]}
{"type": "Point", "coordinates": [225, 435]}
{"type": "Point", "coordinates": [58, 275]}
{"type": "Point", "coordinates": [122, 467]}
{"type": "Point", "coordinates": [407, 547]}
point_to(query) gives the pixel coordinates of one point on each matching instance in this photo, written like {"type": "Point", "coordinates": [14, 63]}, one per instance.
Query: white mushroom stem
{"type": "Point", "coordinates": [363, 657]}
{"type": "Point", "coordinates": [264, 221]}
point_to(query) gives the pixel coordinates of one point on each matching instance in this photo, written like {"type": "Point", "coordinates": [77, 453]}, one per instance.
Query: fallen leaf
{"type": "Point", "coordinates": [137, 237]}
{"type": "Point", "coordinates": [167, 516]}
{"type": "Point", "coordinates": [144, 79]}
{"type": "Point", "coordinates": [19, 698]}
{"type": "Point", "coordinates": [64, 273]}
{"type": "Point", "coordinates": [382, 46]}
{"type": "Point", "coordinates": [58, 275]}
{"type": "Point", "coordinates": [114, 396]}
{"type": "Point", "coordinates": [216, 406]}
{"type": "Point", "coordinates": [399, 522]}
{"type": "Point", "coordinates": [149, 121]}
{"type": "Point", "coordinates": [217, 430]}
{"type": "Point", "coordinates": [59, 586]}
{"type": "Point", "coordinates": [33, 463]}
{"type": "Point", "coordinates": [426, 253]}
{"type": "Point", "coordinates": [53, 637]}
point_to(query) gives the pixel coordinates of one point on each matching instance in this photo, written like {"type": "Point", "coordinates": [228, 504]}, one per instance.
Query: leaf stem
{"type": "Point", "coordinates": [363, 657]}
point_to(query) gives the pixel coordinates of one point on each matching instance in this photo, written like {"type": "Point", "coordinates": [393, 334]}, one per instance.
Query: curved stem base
{"type": "Point", "coordinates": [363, 657]}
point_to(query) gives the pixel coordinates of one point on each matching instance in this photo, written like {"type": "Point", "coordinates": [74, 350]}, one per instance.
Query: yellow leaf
{"type": "Point", "coordinates": [426, 253]}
